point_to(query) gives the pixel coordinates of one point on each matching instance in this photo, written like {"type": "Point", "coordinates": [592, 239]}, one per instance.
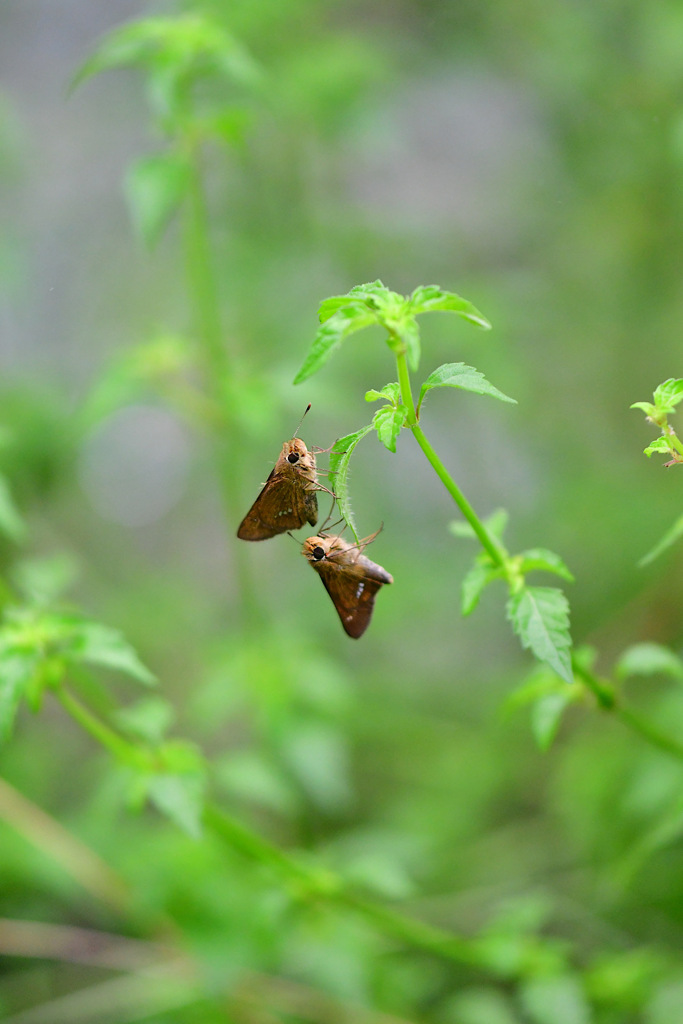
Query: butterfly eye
{"type": "Point", "coordinates": [292, 457]}
{"type": "Point", "coordinates": [318, 553]}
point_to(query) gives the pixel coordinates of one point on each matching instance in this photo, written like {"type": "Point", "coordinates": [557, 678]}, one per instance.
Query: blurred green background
{"type": "Point", "coordinates": [528, 156]}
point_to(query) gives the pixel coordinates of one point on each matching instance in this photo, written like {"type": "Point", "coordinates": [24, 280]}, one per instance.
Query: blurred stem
{"type": "Point", "coordinates": [608, 699]}
{"type": "Point", "coordinates": [73, 856]}
{"type": "Point", "coordinates": [444, 476]}
{"type": "Point", "coordinates": [648, 731]}
{"type": "Point", "coordinates": [124, 751]}
{"type": "Point", "coordinates": [218, 371]}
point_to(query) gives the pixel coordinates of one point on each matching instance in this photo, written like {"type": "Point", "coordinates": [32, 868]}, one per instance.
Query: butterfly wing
{"type": "Point", "coordinates": [352, 589]}
{"type": "Point", "coordinates": [283, 504]}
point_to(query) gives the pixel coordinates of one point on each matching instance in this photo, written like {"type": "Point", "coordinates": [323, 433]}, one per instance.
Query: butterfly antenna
{"type": "Point", "coordinates": [301, 421]}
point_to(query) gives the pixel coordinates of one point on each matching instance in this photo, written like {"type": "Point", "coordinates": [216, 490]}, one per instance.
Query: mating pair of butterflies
{"type": "Point", "coordinates": [287, 501]}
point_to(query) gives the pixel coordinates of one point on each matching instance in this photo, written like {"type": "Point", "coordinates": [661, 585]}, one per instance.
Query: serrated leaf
{"type": "Point", "coordinates": [669, 394]}
{"type": "Point", "coordinates": [648, 659]}
{"type": "Point", "coordinates": [341, 325]}
{"type": "Point", "coordinates": [340, 457]}
{"type": "Point", "coordinates": [155, 187]}
{"type": "Point", "coordinates": [669, 538]}
{"type": "Point", "coordinates": [647, 407]}
{"type": "Point", "coordinates": [459, 375]}
{"type": "Point", "coordinates": [430, 298]}
{"type": "Point", "coordinates": [545, 560]}
{"type": "Point", "coordinates": [474, 583]}
{"type": "Point", "coordinates": [540, 617]}
{"type": "Point", "coordinates": [659, 445]}
{"type": "Point", "coordinates": [11, 523]}
{"type": "Point", "coordinates": [388, 423]}
{"type": "Point", "coordinates": [390, 392]}
{"type": "Point", "coordinates": [95, 644]}
{"type": "Point", "coordinates": [546, 715]}
{"type": "Point", "coordinates": [17, 670]}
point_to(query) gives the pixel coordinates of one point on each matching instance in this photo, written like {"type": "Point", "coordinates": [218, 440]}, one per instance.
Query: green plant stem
{"type": "Point", "coordinates": [218, 370]}
{"type": "Point", "coordinates": [122, 749]}
{"type": "Point", "coordinates": [320, 884]}
{"type": "Point", "coordinates": [654, 736]}
{"type": "Point", "coordinates": [311, 881]}
{"type": "Point", "coordinates": [53, 840]}
{"type": "Point", "coordinates": [608, 699]}
{"type": "Point", "coordinates": [603, 692]}
{"type": "Point", "coordinates": [439, 468]}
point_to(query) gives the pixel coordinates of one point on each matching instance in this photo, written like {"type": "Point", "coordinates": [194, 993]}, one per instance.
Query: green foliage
{"type": "Point", "coordinates": [458, 375]}
{"type": "Point", "coordinates": [11, 523]}
{"type": "Point", "coordinates": [670, 537]}
{"type": "Point", "coordinates": [373, 303]}
{"type": "Point", "coordinates": [340, 460]}
{"type": "Point", "coordinates": [155, 188]}
{"type": "Point", "coordinates": [176, 53]}
{"type": "Point", "coordinates": [540, 617]}
{"type": "Point", "coordinates": [345, 782]}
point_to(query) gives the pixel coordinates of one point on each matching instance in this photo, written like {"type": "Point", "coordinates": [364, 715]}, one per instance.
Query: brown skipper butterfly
{"type": "Point", "coordinates": [288, 499]}
{"type": "Point", "coordinates": [350, 578]}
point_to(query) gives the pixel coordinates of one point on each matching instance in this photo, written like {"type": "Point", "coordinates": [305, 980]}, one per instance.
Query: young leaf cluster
{"type": "Point", "coordinates": [176, 54]}
{"type": "Point", "coordinates": [665, 399]}
{"type": "Point", "coordinates": [539, 615]}
{"type": "Point", "coordinates": [547, 695]}
{"type": "Point", "coordinates": [368, 304]}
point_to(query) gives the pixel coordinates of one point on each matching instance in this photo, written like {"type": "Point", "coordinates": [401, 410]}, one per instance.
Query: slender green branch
{"type": "Point", "coordinates": [122, 749]}
{"type": "Point", "coordinates": [439, 468]}
{"type": "Point", "coordinates": [648, 732]}
{"type": "Point", "coordinates": [603, 691]}
{"type": "Point", "coordinates": [312, 881]}
{"type": "Point", "coordinates": [218, 369]}
{"type": "Point", "coordinates": [73, 856]}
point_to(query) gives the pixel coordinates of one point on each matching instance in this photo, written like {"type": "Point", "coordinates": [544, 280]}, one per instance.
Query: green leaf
{"type": "Point", "coordinates": [17, 671]}
{"type": "Point", "coordinates": [147, 719]}
{"type": "Point", "coordinates": [185, 46]}
{"type": "Point", "coordinates": [546, 715]}
{"type": "Point", "coordinates": [430, 298]}
{"type": "Point", "coordinates": [95, 644]}
{"type": "Point", "coordinates": [126, 45]}
{"type": "Point", "coordinates": [669, 394]}
{"type": "Point", "coordinates": [476, 580]}
{"type": "Point", "coordinates": [540, 617]}
{"type": "Point", "coordinates": [648, 659]}
{"type": "Point", "coordinates": [177, 787]}
{"type": "Point", "coordinates": [391, 392]}
{"type": "Point", "coordinates": [495, 525]}
{"type": "Point", "coordinates": [659, 445]}
{"type": "Point", "coordinates": [340, 457]}
{"type": "Point", "coordinates": [556, 1000]}
{"type": "Point", "coordinates": [648, 408]}
{"type": "Point", "coordinates": [44, 580]}
{"type": "Point", "coordinates": [330, 335]}
{"type": "Point", "coordinates": [459, 375]}
{"type": "Point", "coordinates": [388, 422]}
{"type": "Point", "coordinates": [545, 560]}
{"type": "Point", "coordinates": [11, 523]}
{"type": "Point", "coordinates": [669, 538]}
{"type": "Point", "coordinates": [155, 187]}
